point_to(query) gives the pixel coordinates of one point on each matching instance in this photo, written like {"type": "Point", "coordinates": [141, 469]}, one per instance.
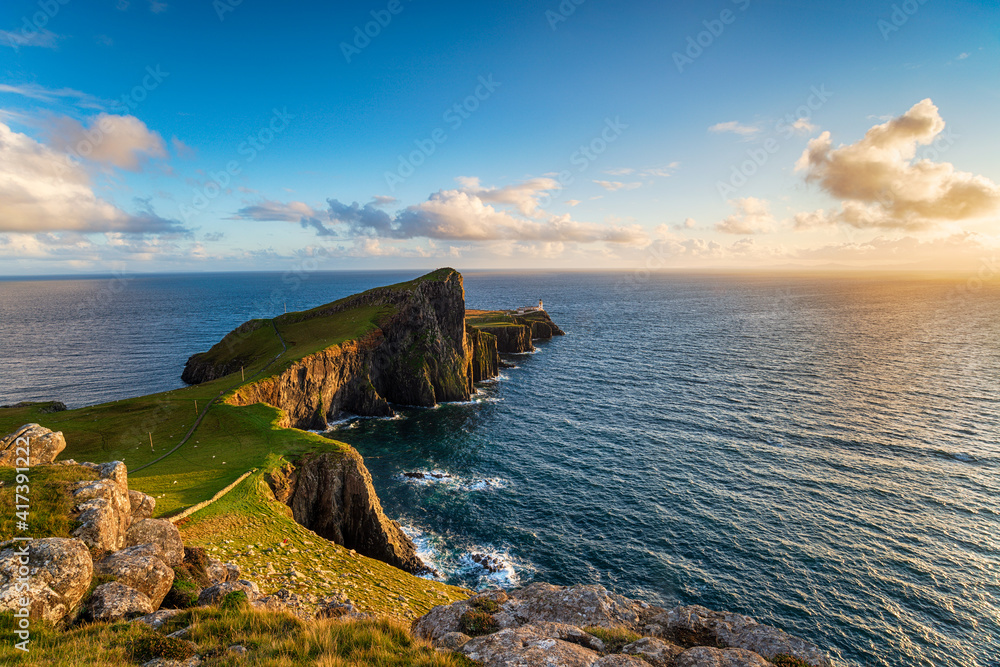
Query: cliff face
{"type": "Point", "coordinates": [417, 355]}
{"type": "Point", "coordinates": [485, 360]}
{"type": "Point", "coordinates": [332, 494]}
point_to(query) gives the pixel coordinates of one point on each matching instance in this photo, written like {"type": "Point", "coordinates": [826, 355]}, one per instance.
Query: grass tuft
{"type": "Point", "coordinates": [476, 623]}
{"type": "Point", "coordinates": [614, 638]}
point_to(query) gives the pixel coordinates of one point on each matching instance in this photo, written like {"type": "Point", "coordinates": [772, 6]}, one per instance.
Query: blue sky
{"type": "Point", "coordinates": [201, 136]}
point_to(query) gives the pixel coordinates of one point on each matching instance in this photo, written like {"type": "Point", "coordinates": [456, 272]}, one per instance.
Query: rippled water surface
{"type": "Point", "coordinates": [821, 453]}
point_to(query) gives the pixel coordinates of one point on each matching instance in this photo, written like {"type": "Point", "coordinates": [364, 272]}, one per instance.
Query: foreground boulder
{"type": "Point", "coordinates": [556, 626]}
{"type": "Point", "coordinates": [140, 569]}
{"type": "Point", "coordinates": [161, 533]}
{"type": "Point", "coordinates": [59, 574]}
{"type": "Point", "coordinates": [114, 601]}
{"type": "Point", "coordinates": [43, 446]}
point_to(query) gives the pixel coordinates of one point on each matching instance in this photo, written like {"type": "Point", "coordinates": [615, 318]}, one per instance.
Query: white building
{"type": "Point", "coordinates": [529, 309]}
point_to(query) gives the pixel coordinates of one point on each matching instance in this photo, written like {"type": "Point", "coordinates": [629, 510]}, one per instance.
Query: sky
{"type": "Point", "coordinates": [217, 135]}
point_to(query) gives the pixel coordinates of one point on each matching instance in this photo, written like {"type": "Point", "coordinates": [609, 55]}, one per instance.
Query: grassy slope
{"type": "Point", "coordinates": [230, 441]}
{"type": "Point", "coordinates": [272, 639]}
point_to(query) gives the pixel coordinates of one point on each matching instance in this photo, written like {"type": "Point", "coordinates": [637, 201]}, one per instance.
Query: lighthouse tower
{"type": "Point", "coordinates": [540, 305]}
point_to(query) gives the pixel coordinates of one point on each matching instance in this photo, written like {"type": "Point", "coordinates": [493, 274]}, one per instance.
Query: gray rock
{"type": "Point", "coordinates": [524, 647]}
{"type": "Point", "coordinates": [43, 446]}
{"type": "Point", "coordinates": [105, 508]}
{"type": "Point", "coordinates": [193, 661]}
{"type": "Point", "coordinates": [706, 656]}
{"type": "Point", "coordinates": [158, 618]}
{"type": "Point", "coordinates": [696, 625]}
{"type": "Point", "coordinates": [161, 533]}
{"type": "Point", "coordinates": [135, 568]}
{"type": "Point", "coordinates": [453, 641]}
{"type": "Point", "coordinates": [220, 573]}
{"type": "Point", "coordinates": [115, 601]}
{"type": "Point", "coordinates": [214, 594]}
{"type": "Point", "coordinates": [619, 660]}
{"type": "Point", "coordinates": [59, 574]}
{"type": "Point", "coordinates": [582, 606]}
{"type": "Point", "coordinates": [143, 505]}
{"type": "Point", "coordinates": [654, 651]}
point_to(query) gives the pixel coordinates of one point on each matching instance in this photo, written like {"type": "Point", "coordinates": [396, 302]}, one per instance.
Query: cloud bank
{"type": "Point", "coordinates": [881, 184]}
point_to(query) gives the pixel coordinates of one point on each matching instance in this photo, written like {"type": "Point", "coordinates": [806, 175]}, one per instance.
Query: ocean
{"type": "Point", "coordinates": [821, 453]}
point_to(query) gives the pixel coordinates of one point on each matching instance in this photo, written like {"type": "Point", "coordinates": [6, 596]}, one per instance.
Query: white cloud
{"type": "Point", "coordinates": [753, 216]}
{"type": "Point", "coordinates": [121, 141]}
{"type": "Point", "coordinates": [734, 127]}
{"type": "Point", "coordinates": [42, 190]}
{"type": "Point", "coordinates": [33, 91]}
{"type": "Point", "coordinates": [881, 183]}
{"type": "Point", "coordinates": [573, 202]}
{"type": "Point", "coordinates": [43, 38]}
{"type": "Point", "coordinates": [803, 125]}
{"type": "Point", "coordinates": [614, 186]}
{"type": "Point", "coordinates": [470, 213]}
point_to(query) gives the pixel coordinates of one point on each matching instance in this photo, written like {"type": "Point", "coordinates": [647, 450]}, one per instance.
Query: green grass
{"type": "Point", "coordinates": [614, 638]}
{"type": "Point", "coordinates": [250, 528]}
{"type": "Point", "coordinates": [272, 639]}
{"type": "Point", "coordinates": [49, 496]}
{"type": "Point", "coordinates": [489, 318]}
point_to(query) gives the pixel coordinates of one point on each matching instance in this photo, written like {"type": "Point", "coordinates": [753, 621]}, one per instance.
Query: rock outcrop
{"type": "Point", "coordinates": [140, 555]}
{"type": "Point", "coordinates": [137, 568]}
{"type": "Point", "coordinates": [36, 444]}
{"type": "Point", "coordinates": [59, 572]}
{"type": "Point", "coordinates": [543, 624]}
{"type": "Point", "coordinates": [115, 600]}
{"type": "Point", "coordinates": [105, 510]}
{"type": "Point", "coordinates": [332, 495]}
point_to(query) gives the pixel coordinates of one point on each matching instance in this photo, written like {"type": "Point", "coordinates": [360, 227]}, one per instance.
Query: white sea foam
{"type": "Point", "coordinates": [444, 478]}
